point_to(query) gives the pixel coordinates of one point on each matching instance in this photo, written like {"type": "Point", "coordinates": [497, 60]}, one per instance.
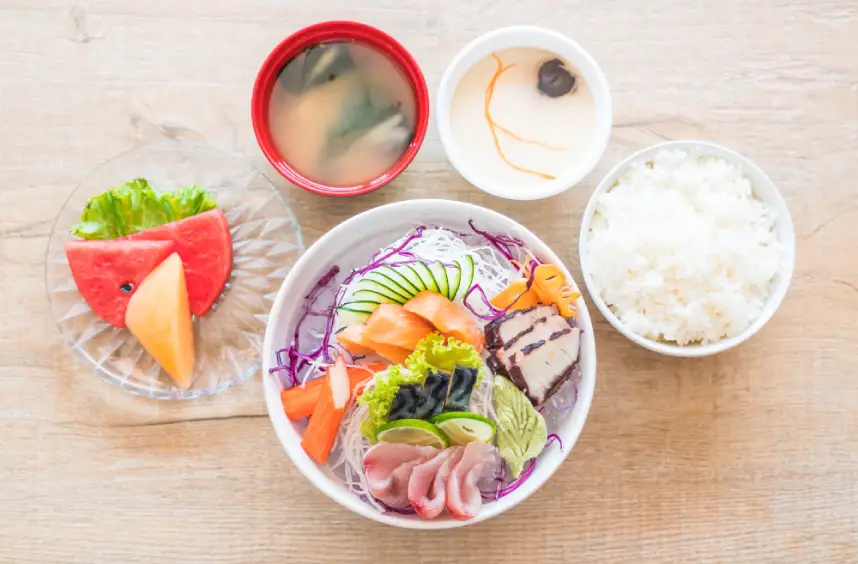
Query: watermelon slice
{"type": "Point", "coordinates": [107, 273]}
{"type": "Point", "coordinates": [205, 247]}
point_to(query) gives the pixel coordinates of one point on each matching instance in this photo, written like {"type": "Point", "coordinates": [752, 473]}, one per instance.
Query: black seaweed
{"type": "Point", "coordinates": [431, 401]}
{"type": "Point", "coordinates": [461, 386]}
{"type": "Point", "coordinates": [404, 402]}
{"type": "Point", "coordinates": [555, 80]}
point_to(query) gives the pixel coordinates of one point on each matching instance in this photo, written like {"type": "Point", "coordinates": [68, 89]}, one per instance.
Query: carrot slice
{"type": "Point", "coordinates": [334, 396]}
{"type": "Point", "coordinates": [300, 401]}
{"type": "Point", "coordinates": [515, 296]}
{"type": "Point", "coordinates": [352, 338]}
{"type": "Point", "coordinates": [550, 285]}
{"type": "Point", "coordinates": [447, 317]}
{"type": "Point", "coordinates": [391, 324]}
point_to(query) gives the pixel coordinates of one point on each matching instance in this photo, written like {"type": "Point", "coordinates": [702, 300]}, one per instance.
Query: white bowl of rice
{"type": "Point", "coordinates": [687, 248]}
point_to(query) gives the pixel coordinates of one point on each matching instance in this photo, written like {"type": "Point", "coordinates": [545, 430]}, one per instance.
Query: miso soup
{"type": "Point", "coordinates": [342, 114]}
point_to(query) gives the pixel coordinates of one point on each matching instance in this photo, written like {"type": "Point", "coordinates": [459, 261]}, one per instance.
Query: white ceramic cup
{"type": "Point", "coordinates": [538, 38]}
{"type": "Point", "coordinates": [350, 245]}
{"type": "Point", "coordinates": [764, 189]}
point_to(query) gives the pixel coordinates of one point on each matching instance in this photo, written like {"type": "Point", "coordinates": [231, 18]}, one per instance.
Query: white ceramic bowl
{"type": "Point", "coordinates": [764, 189]}
{"type": "Point", "coordinates": [350, 245]}
{"type": "Point", "coordinates": [539, 38]}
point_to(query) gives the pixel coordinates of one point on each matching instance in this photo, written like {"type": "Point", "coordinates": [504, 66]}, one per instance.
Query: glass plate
{"type": "Point", "coordinates": [266, 243]}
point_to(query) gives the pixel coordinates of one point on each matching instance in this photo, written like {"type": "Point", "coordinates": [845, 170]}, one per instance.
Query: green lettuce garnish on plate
{"type": "Point", "coordinates": [522, 433]}
{"type": "Point", "coordinates": [135, 206]}
{"type": "Point", "coordinates": [431, 352]}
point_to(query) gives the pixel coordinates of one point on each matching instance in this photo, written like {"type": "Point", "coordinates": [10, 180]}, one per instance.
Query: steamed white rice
{"type": "Point", "coordinates": [682, 250]}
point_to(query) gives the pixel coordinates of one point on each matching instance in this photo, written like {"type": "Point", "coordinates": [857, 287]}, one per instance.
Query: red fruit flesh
{"type": "Point", "coordinates": [205, 247]}
{"type": "Point", "coordinates": [101, 269]}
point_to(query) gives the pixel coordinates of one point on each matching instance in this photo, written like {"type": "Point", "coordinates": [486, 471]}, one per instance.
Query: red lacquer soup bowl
{"type": "Point", "coordinates": [330, 32]}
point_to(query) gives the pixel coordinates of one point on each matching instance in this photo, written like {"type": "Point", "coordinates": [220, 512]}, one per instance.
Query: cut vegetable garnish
{"type": "Point", "coordinates": [413, 432]}
{"type": "Point", "coordinates": [318, 438]}
{"type": "Point", "coordinates": [463, 427]}
{"type": "Point", "coordinates": [522, 433]}
{"type": "Point", "coordinates": [515, 296]}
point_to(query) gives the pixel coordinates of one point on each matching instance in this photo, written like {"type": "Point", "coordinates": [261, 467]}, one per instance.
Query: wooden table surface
{"type": "Point", "coordinates": [749, 456]}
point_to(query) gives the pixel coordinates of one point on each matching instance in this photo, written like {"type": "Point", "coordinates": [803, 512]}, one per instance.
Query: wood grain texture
{"type": "Point", "coordinates": [751, 456]}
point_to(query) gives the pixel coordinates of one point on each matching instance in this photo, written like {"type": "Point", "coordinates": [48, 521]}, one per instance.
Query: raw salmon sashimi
{"type": "Point", "coordinates": [391, 324]}
{"type": "Point", "coordinates": [447, 317]}
{"type": "Point", "coordinates": [353, 339]}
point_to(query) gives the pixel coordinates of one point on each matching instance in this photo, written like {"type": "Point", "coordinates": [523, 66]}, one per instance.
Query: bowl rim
{"type": "Point", "coordinates": [775, 298]}
{"type": "Point", "coordinates": [328, 31]}
{"type": "Point", "coordinates": [535, 37]}
{"type": "Point", "coordinates": [310, 470]}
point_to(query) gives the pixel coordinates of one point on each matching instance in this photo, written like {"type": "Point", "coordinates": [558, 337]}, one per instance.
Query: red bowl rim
{"type": "Point", "coordinates": [325, 32]}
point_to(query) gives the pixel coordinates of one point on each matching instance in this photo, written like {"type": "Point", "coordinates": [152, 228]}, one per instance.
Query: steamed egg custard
{"type": "Point", "coordinates": [342, 114]}
{"type": "Point", "coordinates": [523, 116]}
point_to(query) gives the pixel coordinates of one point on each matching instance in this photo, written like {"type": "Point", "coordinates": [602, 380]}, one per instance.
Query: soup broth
{"type": "Point", "coordinates": [342, 114]}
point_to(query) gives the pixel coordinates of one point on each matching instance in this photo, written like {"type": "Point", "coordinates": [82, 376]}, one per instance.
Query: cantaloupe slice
{"type": "Point", "coordinates": [159, 316]}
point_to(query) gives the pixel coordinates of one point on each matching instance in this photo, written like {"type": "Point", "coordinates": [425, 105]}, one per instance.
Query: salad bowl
{"type": "Point", "coordinates": [349, 246]}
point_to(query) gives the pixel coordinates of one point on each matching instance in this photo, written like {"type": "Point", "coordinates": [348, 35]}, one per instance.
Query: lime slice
{"type": "Point", "coordinates": [463, 427]}
{"type": "Point", "coordinates": [413, 432]}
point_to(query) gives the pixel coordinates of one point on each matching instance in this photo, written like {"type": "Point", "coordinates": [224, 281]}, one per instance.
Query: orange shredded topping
{"type": "Point", "coordinates": [494, 127]}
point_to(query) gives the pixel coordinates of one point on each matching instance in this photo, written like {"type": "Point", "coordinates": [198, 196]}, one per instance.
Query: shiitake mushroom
{"type": "Point", "coordinates": [555, 80]}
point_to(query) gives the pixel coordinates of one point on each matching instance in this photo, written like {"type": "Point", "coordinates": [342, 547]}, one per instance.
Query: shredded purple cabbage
{"type": "Point", "coordinates": [294, 359]}
{"type": "Point", "coordinates": [552, 438]}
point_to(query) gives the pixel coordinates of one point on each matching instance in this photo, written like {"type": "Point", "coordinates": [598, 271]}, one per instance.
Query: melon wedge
{"type": "Point", "coordinates": [159, 316]}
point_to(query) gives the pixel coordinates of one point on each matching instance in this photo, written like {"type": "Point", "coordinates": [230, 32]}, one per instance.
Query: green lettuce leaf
{"type": "Point", "coordinates": [135, 206]}
{"type": "Point", "coordinates": [522, 433]}
{"type": "Point", "coordinates": [433, 352]}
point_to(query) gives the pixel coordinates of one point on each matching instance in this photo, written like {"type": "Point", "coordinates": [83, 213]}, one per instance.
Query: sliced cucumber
{"type": "Point", "coordinates": [454, 276]}
{"type": "Point", "coordinates": [439, 273]}
{"type": "Point", "coordinates": [407, 271]}
{"type": "Point", "coordinates": [355, 312]}
{"type": "Point", "coordinates": [359, 306]}
{"type": "Point", "coordinates": [399, 279]}
{"type": "Point", "coordinates": [467, 267]}
{"type": "Point", "coordinates": [371, 286]}
{"type": "Point", "coordinates": [426, 275]}
{"type": "Point", "coordinates": [376, 297]}
{"type": "Point", "coordinates": [387, 282]}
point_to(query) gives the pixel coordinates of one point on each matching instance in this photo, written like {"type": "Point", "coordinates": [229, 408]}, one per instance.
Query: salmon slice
{"type": "Point", "coordinates": [447, 318]}
{"type": "Point", "coordinates": [396, 355]}
{"type": "Point", "coordinates": [391, 324]}
{"type": "Point", "coordinates": [353, 340]}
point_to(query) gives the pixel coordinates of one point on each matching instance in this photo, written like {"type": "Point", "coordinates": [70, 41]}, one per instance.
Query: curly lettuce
{"type": "Point", "coordinates": [432, 352]}
{"type": "Point", "coordinates": [135, 206]}
{"type": "Point", "coordinates": [443, 353]}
